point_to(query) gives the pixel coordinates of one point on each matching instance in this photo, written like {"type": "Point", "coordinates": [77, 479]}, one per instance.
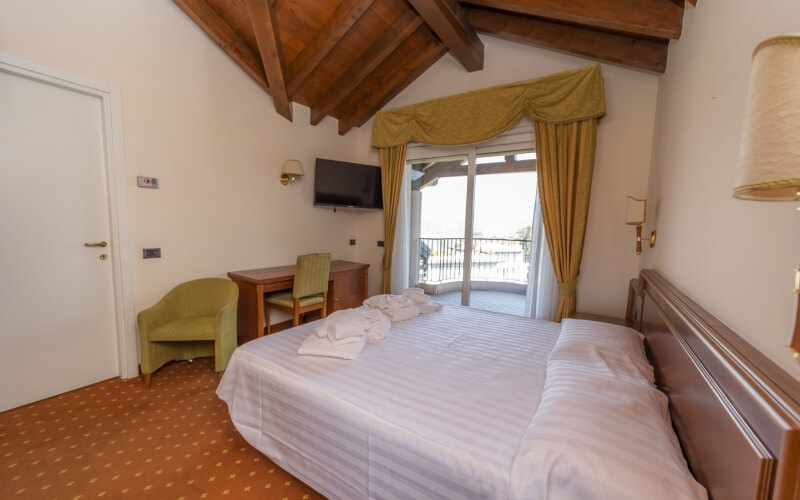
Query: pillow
{"type": "Point", "coordinates": [602, 430]}
{"type": "Point", "coordinates": [604, 349]}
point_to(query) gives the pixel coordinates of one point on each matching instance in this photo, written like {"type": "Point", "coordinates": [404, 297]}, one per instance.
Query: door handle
{"type": "Point", "coordinates": [98, 244]}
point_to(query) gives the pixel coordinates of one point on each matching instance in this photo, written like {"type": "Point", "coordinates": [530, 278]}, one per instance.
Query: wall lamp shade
{"type": "Point", "coordinates": [769, 155]}
{"type": "Point", "coordinates": [292, 169]}
{"type": "Point", "coordinates": [635, 215]}
{"type": "Point", "coordinates": [635, 211]}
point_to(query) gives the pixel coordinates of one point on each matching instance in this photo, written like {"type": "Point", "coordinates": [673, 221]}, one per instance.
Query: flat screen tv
{"type": "Point", "coordinates": [345, 184]}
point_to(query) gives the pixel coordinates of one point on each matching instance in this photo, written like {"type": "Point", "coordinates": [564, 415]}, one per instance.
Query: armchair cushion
{"type": "Point", "coordinates": [191, 328]}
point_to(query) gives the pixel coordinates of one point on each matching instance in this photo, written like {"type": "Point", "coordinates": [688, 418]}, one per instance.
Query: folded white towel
{"type": "Point", "coordinates": [430, 307]}
{"type": "Point", "coordinates": [379, 329]}
{"type": "Point", "coordinates": [418, 298]}
{"type": "Point", "coordinates": [315, 346]}
{"type": "Point", "coordinates": [346, 340]}
{"type": "Point", "coordinates": [321, 330]}
{"type": "Point", "coordinates": [344, 328]}
{"type": "Point", "coordinates": [403, 314]}
{"type": "Point", "coordinates": [386, 301]}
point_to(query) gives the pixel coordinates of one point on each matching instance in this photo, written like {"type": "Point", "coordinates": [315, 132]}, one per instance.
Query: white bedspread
{"type": "Point", "coordinates": [436, 410]}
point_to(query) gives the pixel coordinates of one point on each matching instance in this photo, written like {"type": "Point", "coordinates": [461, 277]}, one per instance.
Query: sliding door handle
{"type": "Point", "coordinates": [98, 244]}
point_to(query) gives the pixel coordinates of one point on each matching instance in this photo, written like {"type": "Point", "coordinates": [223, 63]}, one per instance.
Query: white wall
{"type": "Point", "coordinates": [734, 257]}
{"type": "Point", "coordinates": [196, 121]}
{"type": "Point", "coordinates": [621, 167]}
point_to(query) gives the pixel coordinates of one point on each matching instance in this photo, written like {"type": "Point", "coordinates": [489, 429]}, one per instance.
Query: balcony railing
{"type": "Point", "coordinates": [493, 259]}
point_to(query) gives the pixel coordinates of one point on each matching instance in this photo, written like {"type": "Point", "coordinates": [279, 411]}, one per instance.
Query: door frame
{"type": "Point", "coordinates": [116, 189]}
{"type": "Point", "coordinates": [519, 136]}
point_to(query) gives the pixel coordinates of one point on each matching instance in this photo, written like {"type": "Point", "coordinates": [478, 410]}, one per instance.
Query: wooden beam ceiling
{"type": "Point", "coordinates": [653, 18]}
{"type": "Point", "coordinates": [364, 65]}
{"type": "Point", "coordinates": [223, 35]}
{"type": "Point", "coordinates": [447, 20]}
{"type": "Point", "coordinates": [369, 101]}
{"type": "Point", "coordinates": [265, 26]}
{"type": "Point", "coordinates": [607, 46]}
{"type": "Point", "coordinates": [349, 58]}
{"type": "Point", "coordinates": [344, 17]}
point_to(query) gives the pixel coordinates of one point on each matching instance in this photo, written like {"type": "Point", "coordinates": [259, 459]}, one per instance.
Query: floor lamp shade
{"type": "Point", "coordinates": [769, 156]}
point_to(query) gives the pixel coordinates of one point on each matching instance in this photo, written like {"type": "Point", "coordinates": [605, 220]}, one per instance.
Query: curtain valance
{"type": "Point", "coordinates": [480, 115]}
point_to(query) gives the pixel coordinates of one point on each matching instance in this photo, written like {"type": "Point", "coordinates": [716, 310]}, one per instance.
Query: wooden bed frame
{"type": "Point", "coordinates": [736, 413]}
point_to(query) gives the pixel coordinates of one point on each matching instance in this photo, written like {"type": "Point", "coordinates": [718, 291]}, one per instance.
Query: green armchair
{"type": "Point", "coordinates": [193, 320]}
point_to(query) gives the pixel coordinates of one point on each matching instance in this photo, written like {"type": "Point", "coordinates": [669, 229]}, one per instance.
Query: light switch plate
{"type": "Point", "coordinates": [147, 182]}
{"type": "Point", "coordinates": [151, 253]}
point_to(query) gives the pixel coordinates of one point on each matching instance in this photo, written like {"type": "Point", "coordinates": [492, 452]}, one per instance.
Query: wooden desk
{"type": "Point", "coordinates": [347, 288]}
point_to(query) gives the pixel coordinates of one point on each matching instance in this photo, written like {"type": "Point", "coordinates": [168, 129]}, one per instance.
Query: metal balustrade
{"type": "Point", "coordinates": [493, 259]}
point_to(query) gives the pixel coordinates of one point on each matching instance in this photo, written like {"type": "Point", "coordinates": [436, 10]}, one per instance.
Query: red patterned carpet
{"type": "Point", "coordinates": [115, 439]}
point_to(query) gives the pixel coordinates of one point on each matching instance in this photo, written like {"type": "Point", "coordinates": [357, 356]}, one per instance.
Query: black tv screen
{"type": "Point", "coordinates": [345, 184]}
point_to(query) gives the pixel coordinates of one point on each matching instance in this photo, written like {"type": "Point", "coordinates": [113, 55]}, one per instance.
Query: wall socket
{"type": "Point", "coordinates": [147, 182]}
{"type": "Point", "coordinates": [380, 243]}
{"type": "Point", "coordinates": [151, 253]}
{"type": "Point", "coordinates": [352, 242]}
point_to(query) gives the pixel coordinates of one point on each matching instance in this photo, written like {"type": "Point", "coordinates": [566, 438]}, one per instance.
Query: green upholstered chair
{"type": "Point", "coordinates": [193, 320]}
{"type": "Point", "coordinates": [309, 292]}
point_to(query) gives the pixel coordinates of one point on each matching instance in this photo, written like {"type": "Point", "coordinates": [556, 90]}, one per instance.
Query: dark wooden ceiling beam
{"type": "Point", "coordinates": [265, 26]}
{"type": "Point", "coordinates": [412, 66]}
{"type": "Point", "coordinates": [347, 13]}
{"type": "Point", "coordinates": [224, 36]}
{"type": "Point", "coordinates": [454, 168]}
{"type": "Point", "coordinates": [653, 18]}
{"type": "Point", "coordinates": [642, 53]}
{"type": "Point", "coordinates": [393, 37]}
{"type": "Point", "coordinates": [446, 19]}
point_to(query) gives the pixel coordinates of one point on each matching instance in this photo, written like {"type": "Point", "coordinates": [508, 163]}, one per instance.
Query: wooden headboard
{"type": "Point", "coordinates": [736, 413]}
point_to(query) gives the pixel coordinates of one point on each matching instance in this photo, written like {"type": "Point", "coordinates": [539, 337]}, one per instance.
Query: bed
{"type": "Point", "coordinates": [440, 409]}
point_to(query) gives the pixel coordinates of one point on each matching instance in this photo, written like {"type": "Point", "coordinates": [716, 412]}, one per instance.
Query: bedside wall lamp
{"type": "Point", "coordinates": [635, 215]}
{"type": "Point", "coordinates": [769, 155]}
{"type": "Point", "coordinates": [292, 169]}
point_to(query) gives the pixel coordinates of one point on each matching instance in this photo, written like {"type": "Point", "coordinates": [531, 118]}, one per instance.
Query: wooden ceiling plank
{"type": "Point", "coordinates": [392, 38]}
{"type": "Point", "coordinates": [653, 18]}
{"type": "Point", "coordinates": [447, 20]}
{"type": "Point", "coordinates": [262, 17]}
{"type": "Point", "coordinates": [411, 68]}
{"type": "Point", "coordinates": [456, 169]}
{"type": "Point", "coordinates": [640, 53]}
{"type": "Point", "coordinates": [224, 36]}
{"type": "Point", "coordinates": [347, 13]}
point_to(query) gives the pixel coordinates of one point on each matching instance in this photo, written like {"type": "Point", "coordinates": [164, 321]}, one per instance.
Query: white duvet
{"type": "Point", "coordinates": [436, 410]}
{"type": "Point", "coordinates": [449, 407]}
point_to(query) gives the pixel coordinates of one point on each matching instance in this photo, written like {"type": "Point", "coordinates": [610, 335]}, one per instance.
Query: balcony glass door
{"type": "Point", "coordinates": [438, 205]}
{"type": "Point", "coordinates": [504, 200]}
{"type": "Point", "coordinates": [471, 226]}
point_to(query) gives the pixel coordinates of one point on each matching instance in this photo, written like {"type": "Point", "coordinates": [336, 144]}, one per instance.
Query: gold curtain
{"type": "Point", "coordinates": [563, 105]}
{"type": "Point", "coordinates": [564, 161]}
{"type": "Point", "coordinates": [480, 115]}
{"type": "Point", "coordinates": [393, 160]}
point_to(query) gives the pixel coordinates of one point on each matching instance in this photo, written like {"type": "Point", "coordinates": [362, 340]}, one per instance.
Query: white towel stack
{"type": "Point", "coordinates": [424, 302]}
{"type": "Point", "coordinates": [410, 304]}
{"type": "Point", "coordinates": [343, 334]}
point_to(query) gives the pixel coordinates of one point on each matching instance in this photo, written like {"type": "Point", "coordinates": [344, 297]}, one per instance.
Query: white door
{"type": "Point", "coordinates": [57, 318]}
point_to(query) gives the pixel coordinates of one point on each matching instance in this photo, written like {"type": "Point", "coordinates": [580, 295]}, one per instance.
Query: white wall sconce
{"type": "Point", "coordinates": [635, 215]}
{"type": "Point", "coordinates": [292, 169]}
{"type": "Point", "coordinates": [769, 155]}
